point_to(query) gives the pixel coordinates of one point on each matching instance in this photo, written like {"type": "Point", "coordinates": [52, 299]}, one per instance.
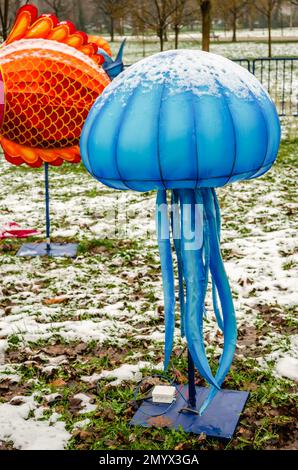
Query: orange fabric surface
{"type": "Point", "coordinates": [28, 25]}
{"type": "Point", "coordinates": [101, 42]}
{"type": "Point", "coordinates": [49, 88]}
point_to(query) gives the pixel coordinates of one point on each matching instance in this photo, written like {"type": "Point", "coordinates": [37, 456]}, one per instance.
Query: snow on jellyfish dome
{"type": "Point", "coordinates": [185, 121]}
{"type": "Point", "coordinates": [181, 119]}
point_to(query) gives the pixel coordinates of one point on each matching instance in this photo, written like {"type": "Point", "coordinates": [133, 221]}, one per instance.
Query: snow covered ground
{"type": "Point", "coordinates": [256, 33]}
{"type": "Point", "coordinates": [72, 330]}
{"type": "Point", "coordinates": [52, 311]}
{"type": "Point", "coordinates": [136, 48]}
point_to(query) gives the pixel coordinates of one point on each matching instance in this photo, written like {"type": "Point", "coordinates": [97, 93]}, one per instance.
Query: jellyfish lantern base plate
{"type": "Point", "coordinates": [219, 420]}
{"type": "Point", "coordinates": [65, 250]}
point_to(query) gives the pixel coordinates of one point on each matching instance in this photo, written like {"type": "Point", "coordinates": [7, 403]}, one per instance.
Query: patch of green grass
{"type": "Point", "coordinates": [108, 247]}
{"type": "Point", "coordinates": [14, 341]}
{"type": "Point", "coordinates": [288, 153]}
{"type": "Point", "coordinates": [289, 265]}
{"type": "Point", "coordinates": [54, 339]}
{"type": "Point", "coordinates": [87, 245]}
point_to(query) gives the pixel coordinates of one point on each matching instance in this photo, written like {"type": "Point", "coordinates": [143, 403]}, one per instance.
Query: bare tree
{"type": "Point", "coordinates": [57, 6]}
{"type": "Point", "coordinates": [295, 3]}
{"type": "Point", "coordinates": [205, 6]}
{"type": "Point", "coordinates": [233, 9]}
{"type": "Point", "coordinates": [8, 10]}
{"type": "Point", "coordinates": [80, 21]}
{"type": "Point", "coordinates": [164, 10]}
{"type": "Point", "coordinates": [267, 7]}
{"type": "Point", "coordinates": [114, 11]}
{"type": "Point", "coordinates": [251, 14]}
{"type": "Point", "coordinates": [178, 18]}
{"type": "Point", "coordinates": [4, 8]}
{"type": "Point", "coordinates": [157, 15]}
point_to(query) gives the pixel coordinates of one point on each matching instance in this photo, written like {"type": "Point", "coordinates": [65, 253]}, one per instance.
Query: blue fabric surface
{"type": "Point", "coordinates": [165, 131]}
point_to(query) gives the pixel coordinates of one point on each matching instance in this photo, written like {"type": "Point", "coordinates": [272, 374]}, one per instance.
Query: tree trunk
{"type": "Point", "coordinates": [112, 28]}
{"type": "Point", "coordinates": [80, 22]}
{"type": "Point", "coordinates": [234, 38]}
{"type": "Point", "coordinates": [161, 40]}
{"type": "Point", "coordinates": [269, 33]}
{"type": "Point", "coordinates": [281, 23]}
{"type": "Point", "coordinates": [206, 23]}
{"type": "Point", "coordinates": [165, 34]}
{"type": "Point", "coordinates": [4, 19]}
{"type": "Point", "coordinates": [176, 29]}
{"type": "Point", "coordinates": [6, 6]}
{"type": "Point", "coordinates": [160, 35]}
{"type": "Point", "coordinates": [250, 22]}
{"type": "Point", "coordinates": [143, 44]}
{"type": "Point", "coordinates": [121, 27]}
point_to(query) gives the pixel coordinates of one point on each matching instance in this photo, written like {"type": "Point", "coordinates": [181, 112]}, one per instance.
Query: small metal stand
{"type": "Point", "coordinates": [191, 402]}
{"type": "Point", "coordinates": [48, 249]}
{"type": "Point", "coordinates": [219, 420]}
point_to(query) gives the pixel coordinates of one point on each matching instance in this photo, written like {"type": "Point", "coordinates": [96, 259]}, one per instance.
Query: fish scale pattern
{"type": "Point", "coordinates": [42, 96]}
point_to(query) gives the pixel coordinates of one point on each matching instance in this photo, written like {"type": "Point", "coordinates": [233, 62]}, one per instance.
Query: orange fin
{"type": "Point", "coordinates": [35, 157]}
{"type": "Point", "coordinates": [101, 42]}
{"type": "Point", "coordinates": [28, 25]}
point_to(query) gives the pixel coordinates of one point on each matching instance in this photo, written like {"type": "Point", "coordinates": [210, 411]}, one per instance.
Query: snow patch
{"type": "Point", "coordinates": [28, 433]}
{"type": "Point", "coordinates": [81, 424]}
{"type": "Point", "coordinates": [85, 402]}
{"type": "Point", "coordinates": [126, 372]}
{"type": "Point", "coordinates": [288, 367]}
{"type": "Point", "coordinates": [183, 70]}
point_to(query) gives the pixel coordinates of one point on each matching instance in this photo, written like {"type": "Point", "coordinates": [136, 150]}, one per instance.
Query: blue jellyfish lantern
{"type": "Point", "coordinates": [185, 122]}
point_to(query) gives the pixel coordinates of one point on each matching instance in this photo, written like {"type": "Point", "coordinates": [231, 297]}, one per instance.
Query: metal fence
{"type": "Point", "coordinates": [280, 77]}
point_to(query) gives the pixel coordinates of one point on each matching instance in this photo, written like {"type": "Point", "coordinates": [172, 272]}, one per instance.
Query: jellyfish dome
{"type": "Point", "coordinates": [181, 119]}
{"type": "Point", "coordinates": [188, 122]}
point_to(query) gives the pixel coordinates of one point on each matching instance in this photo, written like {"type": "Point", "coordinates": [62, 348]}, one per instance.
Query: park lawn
{"type": "Point", "coordinates": [68, 326]}
{"type": "Point", "coordinates": [135, 49]}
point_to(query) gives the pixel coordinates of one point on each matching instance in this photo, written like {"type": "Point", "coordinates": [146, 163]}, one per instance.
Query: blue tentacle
{"type": "Point", "coordinates": [194, 275]}
{"type": "Point", "coordinates": [164, 245]}
{"type": "Point", "coordinates": [216, 308]}
{"type": "Point", "coordinates": [217, 212]}
{"type": "Point", "coordinates": [206, 254]}
{"type": "Point", "coordinates": [222, 284]}
{"type": "Point", "coordinates": [176, 233]}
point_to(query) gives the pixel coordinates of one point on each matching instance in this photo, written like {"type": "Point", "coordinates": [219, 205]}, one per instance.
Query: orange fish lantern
{"type": "Point", "coordinates": [49, 80]}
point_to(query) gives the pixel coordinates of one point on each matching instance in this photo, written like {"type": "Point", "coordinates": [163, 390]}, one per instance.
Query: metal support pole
{"type": "Point", "coordinates": [191, 382]}
{"type": "Point", "coordinates": [47, 201]}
